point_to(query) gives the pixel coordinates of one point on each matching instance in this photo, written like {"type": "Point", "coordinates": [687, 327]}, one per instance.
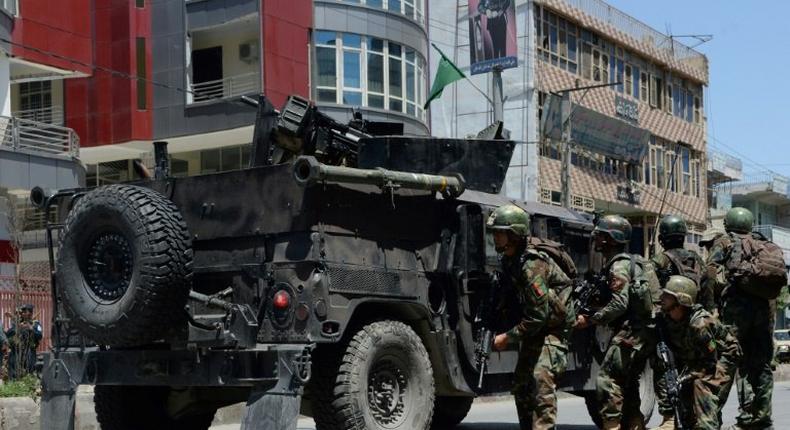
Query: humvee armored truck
{"type": "Point", "coordinates": [339, 275]}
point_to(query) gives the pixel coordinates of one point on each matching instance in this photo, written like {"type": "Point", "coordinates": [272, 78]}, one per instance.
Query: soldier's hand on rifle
{"type": "Point", "coordinates": [500, 342]}
{"type": "Point", "coordinates": [582, 322]}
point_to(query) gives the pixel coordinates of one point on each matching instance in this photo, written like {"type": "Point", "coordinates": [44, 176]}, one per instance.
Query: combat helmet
{"type": "Point", "coordinates": [683, 289]}
{"type": "Point", "coordinates": [617, 227]}
{"type": "Point", "coordinates": [510, 218]}
{"type": "Point", "coordinates": [672, 226]}
{"type": "Point", "coordinates": [738, 220]}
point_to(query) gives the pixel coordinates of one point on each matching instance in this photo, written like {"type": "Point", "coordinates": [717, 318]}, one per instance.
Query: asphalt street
{"type": "Point", "coordinates": [501, 415]}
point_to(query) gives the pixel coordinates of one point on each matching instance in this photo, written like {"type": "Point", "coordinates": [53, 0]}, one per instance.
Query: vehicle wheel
{"type": "Point", "coordinates": [646, 394]}
{"type": "Point", "coordinates": [384, 382]}
{"type": "Point", "coordinates": [125, 265]}
{"type": "Point", "coordinates": [448, 412]}
{"type": "Point", "coordinates": [139, 407]}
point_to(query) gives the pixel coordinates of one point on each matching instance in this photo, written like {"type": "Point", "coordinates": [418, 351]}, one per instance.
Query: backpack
{"type": "Point", "coordinates": [686, 263]}
{"type": "Point", "coordinates": [648, 276]}
{"type": "Point", "coordinates": [558, 252]}
{"type": "Point", "coordinates": [563, 312]}
{"type": "Point", "coordinates": [756, 266]}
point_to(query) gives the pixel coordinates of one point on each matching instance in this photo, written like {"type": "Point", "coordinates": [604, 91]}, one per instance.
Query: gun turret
{"type": "Point", "coordinates": [307, 170]}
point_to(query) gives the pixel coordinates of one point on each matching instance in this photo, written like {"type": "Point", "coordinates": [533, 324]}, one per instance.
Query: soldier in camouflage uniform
{"type": "Point", "coordinates": [629, 311]}
{"type": "Point", "coordinates": [703, 348]}
{"type": "Point", "coordinates": [672, 232]}
{"type": "Point", "coordinates": [546, 318]}
{"type": "Point", "coordinates": [751, 320]}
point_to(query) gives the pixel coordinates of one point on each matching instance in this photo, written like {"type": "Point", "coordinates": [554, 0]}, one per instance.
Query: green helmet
{"type": "Point", "coordinates": [672, 225]}
{"type": "Point", "coordinates": [510, 218]}
{"type": "Point", "coordinates": [739, 220]}
{"type": "Point", "coordinates": [617, 227]}
{"type": "Point", "coordinates": [683, 289]}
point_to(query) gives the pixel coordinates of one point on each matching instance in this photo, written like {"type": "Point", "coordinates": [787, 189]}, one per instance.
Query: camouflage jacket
{"type": "Point", "coordinates": [706, 296]}
{"type": "Point", "coordinates": [543, 311]}
{"type": "Point", "coordinates": [700, 342]}
{"type": "Point", "coordinates": [631, 300]}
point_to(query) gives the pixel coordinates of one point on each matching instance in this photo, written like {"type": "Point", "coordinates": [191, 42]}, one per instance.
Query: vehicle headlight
{"type": "Point", "coordinates": [784, 347]}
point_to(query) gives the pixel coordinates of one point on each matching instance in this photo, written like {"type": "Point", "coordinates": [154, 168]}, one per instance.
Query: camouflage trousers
{"type": "Point", "coordinates": [541, 363]}
{"type": "Point", "coordinates": [617, 384]}
{"type": "Point", "coordinates": [698, 398]}
{"type": "Point", "coordinates": [751, 321]}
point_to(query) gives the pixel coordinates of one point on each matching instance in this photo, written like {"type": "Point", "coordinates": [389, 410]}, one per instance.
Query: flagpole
{"type": "Point", "coordinates": [479, 90]}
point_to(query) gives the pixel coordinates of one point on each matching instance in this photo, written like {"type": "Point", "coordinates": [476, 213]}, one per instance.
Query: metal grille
{"type": "Point", "coordinates": [345, 280]}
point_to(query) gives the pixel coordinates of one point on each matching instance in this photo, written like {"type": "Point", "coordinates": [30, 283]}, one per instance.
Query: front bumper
{"type": "Point", "coordinates": [286, 365]}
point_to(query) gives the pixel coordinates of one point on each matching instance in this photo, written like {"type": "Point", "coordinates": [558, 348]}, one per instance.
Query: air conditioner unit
{"type": "Point", "coordinates": [248, 51]}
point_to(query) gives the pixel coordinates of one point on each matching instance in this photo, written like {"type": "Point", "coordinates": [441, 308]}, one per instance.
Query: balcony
{"type": "Point", "coordinates": [232, 86]}
{"type": "Point", "coordinates": [765, 187]}
{"type": "Point", "coordinates": [50, 115]}
{"type": "Point", "coordinates": [723, 167]}
{"type": "Point", "coordinates": [38, 137]}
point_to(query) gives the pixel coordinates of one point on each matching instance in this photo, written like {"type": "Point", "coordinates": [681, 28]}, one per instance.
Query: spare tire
{"type": "Point", "coordinates": [124, 267]}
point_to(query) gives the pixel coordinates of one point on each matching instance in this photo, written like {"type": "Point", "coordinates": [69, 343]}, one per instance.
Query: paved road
{"type": "Point", "coordinates": [501, 415]}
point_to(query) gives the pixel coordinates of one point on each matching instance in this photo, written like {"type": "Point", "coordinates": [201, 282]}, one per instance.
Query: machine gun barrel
{"type": "Point", "coordinates": [307, 170]}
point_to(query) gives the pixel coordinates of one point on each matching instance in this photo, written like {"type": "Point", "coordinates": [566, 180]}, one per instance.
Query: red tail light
{"type": "Point", "coordinates": [282, 300]}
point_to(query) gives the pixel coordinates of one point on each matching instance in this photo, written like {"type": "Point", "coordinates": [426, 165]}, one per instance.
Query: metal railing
{"type": "Point", "coordinates": [49, 115]}
{"type": "Point", "coordinates": [23, 134]}
{"type": "Point", "coordinates": [638, 30]}
{"type": "Point", "coordinates": [779, 235]}
{"type": "Point", "coordinates": [762, 181]}
{"type": "Point", "coordinates": [231, 86]}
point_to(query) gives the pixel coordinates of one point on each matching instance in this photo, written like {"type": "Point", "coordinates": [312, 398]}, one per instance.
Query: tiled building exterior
{"type": "Point", "coordinates": [563, 44]}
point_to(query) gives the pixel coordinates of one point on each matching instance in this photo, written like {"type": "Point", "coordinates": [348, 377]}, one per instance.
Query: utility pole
{"type": "Point", "coordinates": [498, 99]}
{"type": "Point", "coordinates": [567, 110]}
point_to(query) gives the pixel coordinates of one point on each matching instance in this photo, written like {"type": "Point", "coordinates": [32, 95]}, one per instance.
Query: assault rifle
{"type": "Point", "coordinates": [670, 374]}
{"type": "Point", "coordinates": [589, 292]}
{"type": "Point", "coordinates": [485, 320]}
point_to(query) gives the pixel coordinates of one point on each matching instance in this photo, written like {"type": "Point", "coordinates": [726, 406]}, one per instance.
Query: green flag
{"type": "Point", "coordinates": [446, 74]}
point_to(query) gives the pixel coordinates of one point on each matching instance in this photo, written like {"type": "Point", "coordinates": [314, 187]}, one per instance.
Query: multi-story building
{"type": "Point", "coordinates": [637, 146]}
{"type": "Point", "coordinates": [43, 48]}
{"type": "Point", "coordinates": [196, 58]}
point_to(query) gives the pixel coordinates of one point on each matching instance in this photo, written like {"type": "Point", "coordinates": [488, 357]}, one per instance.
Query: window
{"type": "Point", "coordinates": [142, 74]}
{"type": "Point", "coordinates": [697, 111]}
{"type": "Point", "coordinates": [365, 71]}
{"type": "Point", "coordinates": [139, 3]}
{"type": "Point", "coordinates": [629, 81]}
{"type": "Point", "coordinates": [326, 59]}
{"type": "Point", "coordinates": [668, 104]}
{"type": "Point", "coordinates": [656, 92]}
{"type": "Point", "coordinates": [224, 159]}
{"type": "Point", "coordinates": [643, 85]}
{"type": "Point", "coordinates": [559, 42]}
{"type": "Point", "coordinates": [685, 164]}
{"type": "Point", "coordinates": [36, 96]}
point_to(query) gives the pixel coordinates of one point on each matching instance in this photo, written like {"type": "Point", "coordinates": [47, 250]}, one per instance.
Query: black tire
{"type": "Point", "coordinates": [139, 407]}
{"type": "Point", "coordinates": [383, 361]}
{"type": "Point", "coordinates": [448, 412]}
{"type": "Point", "coordinates": [124, 267]}
{"type": "Point", "coordinates": [647, 395]}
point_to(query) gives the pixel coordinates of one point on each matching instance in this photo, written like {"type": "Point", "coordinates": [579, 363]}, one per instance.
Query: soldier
{"type": "Point", "coordinates": [546, 318]}
{"type": "Point", "coordinates": [629, 312]}
{"type": "Point", "coordinates": [24, 340]}
{"type": "Point", "coordinates": [703, 348]}
{"type": "Point", "coordinates": [676, 260]}
{"type": "Point", "coordinates": [751, 320]}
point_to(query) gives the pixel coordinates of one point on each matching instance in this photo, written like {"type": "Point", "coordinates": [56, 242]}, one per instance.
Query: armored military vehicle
{"type": "Point", "coordinates": [339, 275]}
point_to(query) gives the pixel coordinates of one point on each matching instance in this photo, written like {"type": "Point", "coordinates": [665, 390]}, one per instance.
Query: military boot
{"type": "Point", "coordinates": [611, 425]}
{"type": "Point", "coordinates": [667, 423]}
